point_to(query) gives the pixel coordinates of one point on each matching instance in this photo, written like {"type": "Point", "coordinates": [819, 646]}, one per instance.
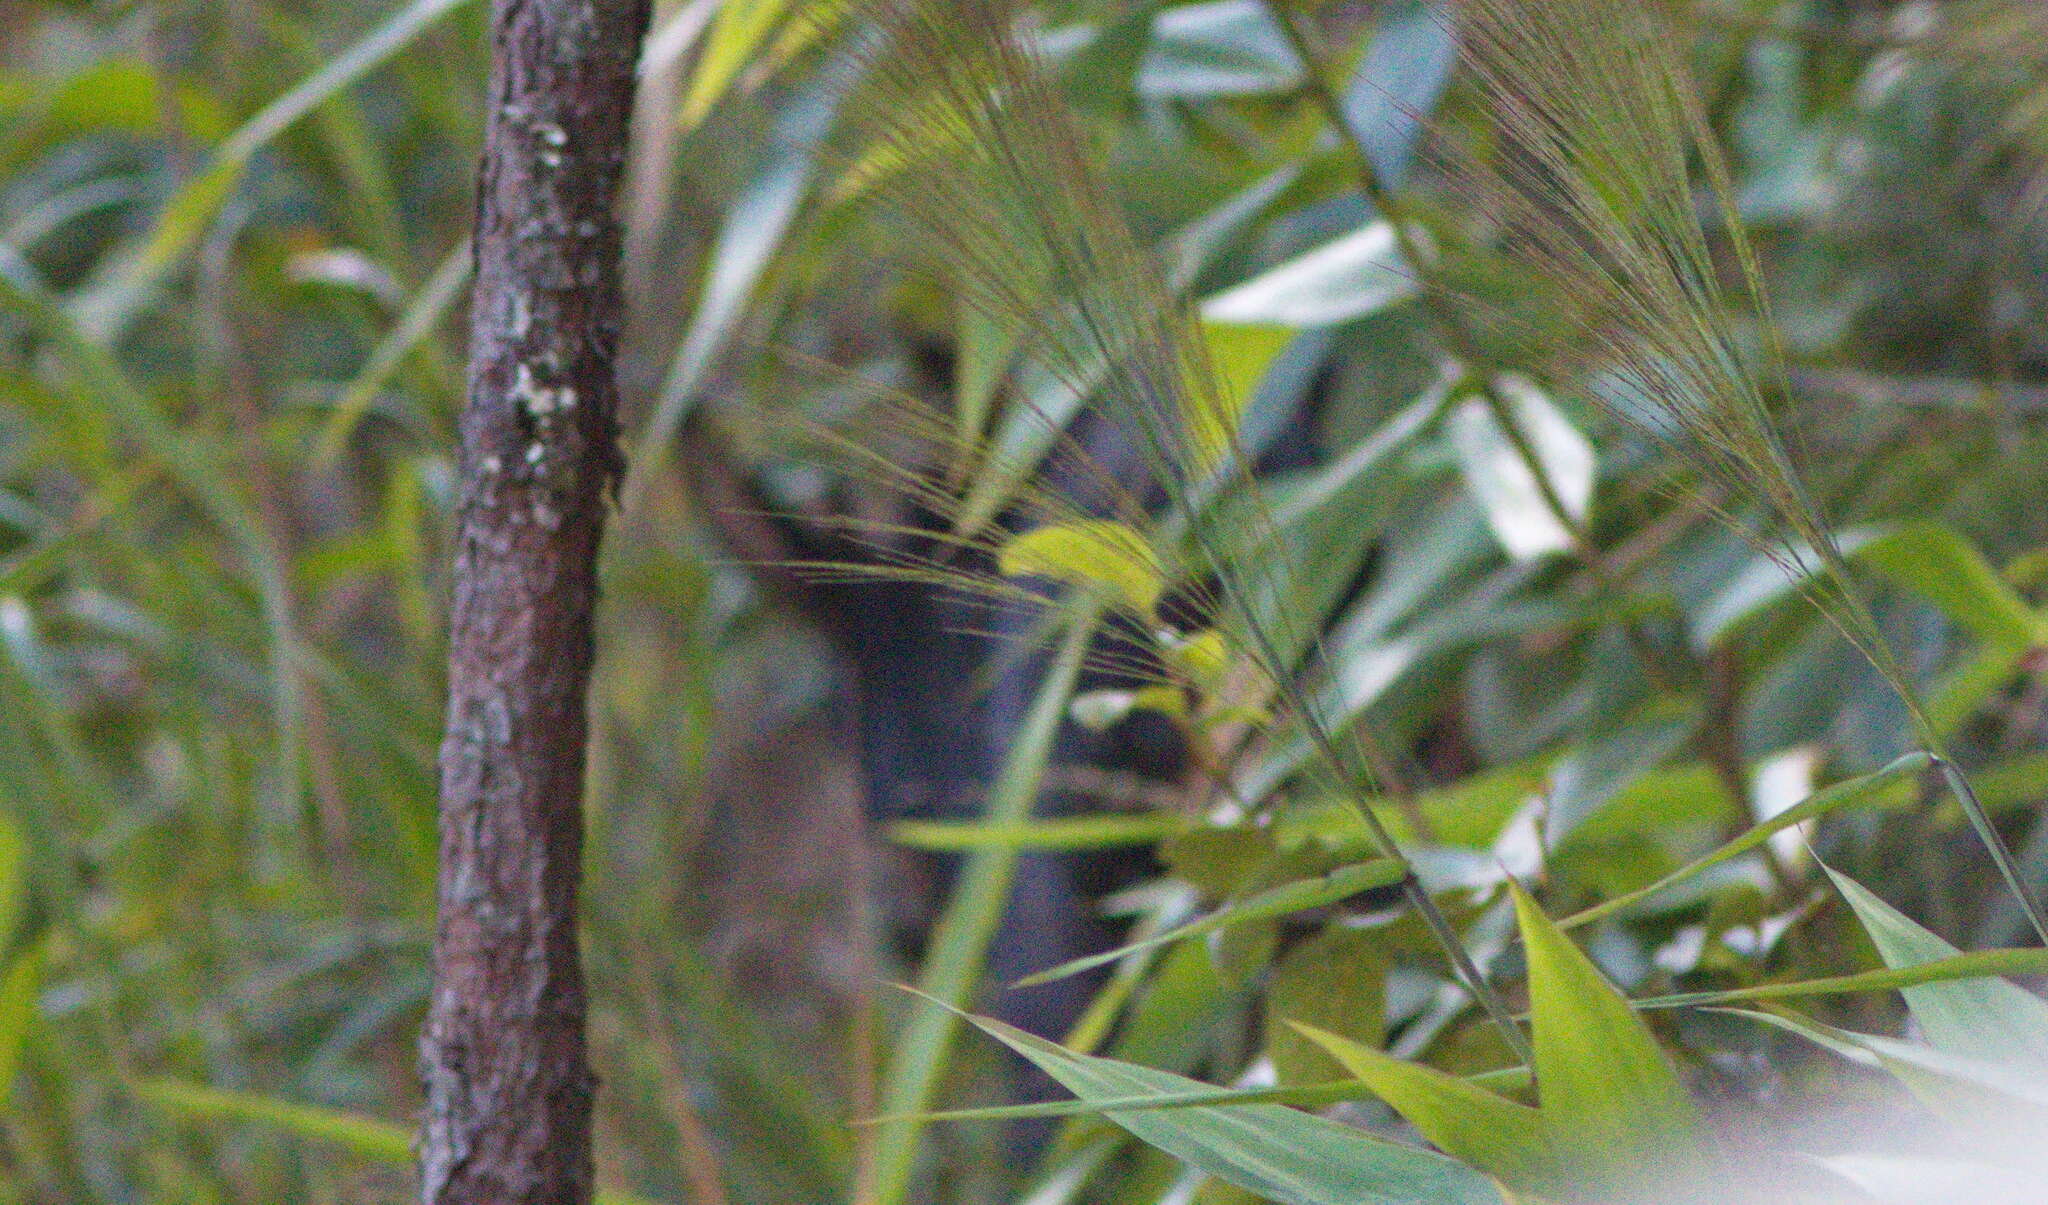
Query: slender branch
{"type": "Point", "coordinates": [509, 1089]}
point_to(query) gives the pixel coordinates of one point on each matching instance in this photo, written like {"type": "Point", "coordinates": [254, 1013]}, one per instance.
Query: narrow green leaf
{"type": "Point", "coordinates": [1925, 557]}
{"type": "Point", "coordinates": [1615, 1110]}
{"type": "Point", "coordinates": [1869, 790]}
{"type": "Point", "coordinates": [1057, 833]}
{"type": "Point", "coordinates": [1305, 1096]}
{"type": "Point", "coordinates": [1974, 965]}
{"type": "Point", "coordinates": [741, 28]}
{"type": "Point", "coordinates": [1296, 896]}
{"type": "Point", "coordinates": [190, 211]}
{"type": "Point", "coordinates": [1217, 49]}
{"type": "Point", "coordinates": [18, 989]}
{"type": "Point", "coordinates": [1341, 281]}
{"type": "Point", "coordinates": [1970, 1093]}
{"type": "Point", "coordinates": [381, 1141]}
{"type": "Point", "coordinates": [1941, 566]}
{"type": "Point", "coordinates": [12, 877]}
{"type": "Point", "coordinates": [1498, 473]}
{"type": "Point", "coordinates": [369, 1138]}
{"type": "Point", "coordinates": [1334, 981]}
{"type": "Point", "coordinates": [1240, 353]}
{"type": "Point", "coordinates": [1282, 1154]}
{"type": "Point", "coordinates": [1507, 1141]}
{"type": "Point", "coordinates": [1978, 1017]}
{"type": "Point", "coordinates": [959, 945]}
{"type": "Point", "coordinates": [1308, 1096]}
{"type": "Point", "coordinates": [1097, 553]}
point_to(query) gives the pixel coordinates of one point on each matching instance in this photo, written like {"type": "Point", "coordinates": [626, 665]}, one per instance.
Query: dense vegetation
{"type": "Point", "coordinates": [1465, 510]}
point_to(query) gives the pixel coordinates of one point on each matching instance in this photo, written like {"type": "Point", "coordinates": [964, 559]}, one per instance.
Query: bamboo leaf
{"type": "Point", "coordinates": [1974, 965]}
{"type": "Point", "coordinates": [1507, 1141]}
{"type": "Point", "coordinates": [1869, 790]}
{"type": "Point", "coordinates": [1970, 1093]}
{"type": "Point", "coordinates": [1341, 281]}
{"type": "Point", "coordinates": [1241, 354]}
{"type": "Point", "coordinates": [1215, 49]}
{"type": "Point", "coordinates": [1282, 1154]}
{"type": "Point", "coordinates": [19, 987]}
{"type": "Point", "coordinates": [378, 1141]}
{"type": "Point", "coordinates": [1303, 1095]}
{"type": "Point", "coordinates": [1925, 557]}
{"type": "Point", "coordinates": [1056, 833]}
{"type": "Point", "coordinates": [1499, 475]}
{"type": "Point", "coordinates": [13, 879]}
{"type": "Point", "coordinates": [1979, 1017]}
{"type": "Point", "coordinates": [1099, 554]}
{"type": "Point", "coordinates": [1306, 1096]}
{"type": "Point", "coordinates": [1398, 82]}
{"type": "Point", "coordinates": [1287, 898]}
{"type": "Point", "coordinates": [1615, 1110]}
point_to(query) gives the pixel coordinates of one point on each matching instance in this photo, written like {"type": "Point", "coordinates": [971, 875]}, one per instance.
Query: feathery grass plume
{"type": "Point", "coordinates": [966, 140]}
{"type": "Point", "coordinates": [1593, 191]}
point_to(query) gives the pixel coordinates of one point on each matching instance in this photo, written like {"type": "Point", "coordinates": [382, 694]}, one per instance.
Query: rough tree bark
{"type": "Point", "coordinates": [503, 1055]}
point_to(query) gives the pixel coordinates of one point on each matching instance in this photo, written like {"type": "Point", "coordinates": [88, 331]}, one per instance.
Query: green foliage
{"type": "Point", "coordinates": [1278, 1153]}
{"type": "Point", "coordinates": [1476, 633]}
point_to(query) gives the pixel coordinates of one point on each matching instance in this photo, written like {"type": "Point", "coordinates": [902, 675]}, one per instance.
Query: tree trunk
{"type": "Point", "coordinates": [503, 1056]}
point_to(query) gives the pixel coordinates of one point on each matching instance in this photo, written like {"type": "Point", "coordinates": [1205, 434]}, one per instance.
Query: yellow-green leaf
{"type": "Point", "coordinates": [1615, 1111]}
{"type": "Point", "coordinates": [1098, 554]}
{"type": "Point", "coordinates": [1239, 355]}
{"type": "Point", "coordinates": [1505, 1140]}
{"type": "Point", "coordinates": [1202, 656]}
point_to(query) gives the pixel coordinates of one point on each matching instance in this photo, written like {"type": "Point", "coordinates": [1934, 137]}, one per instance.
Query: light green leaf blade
{"type": "Point", "coordinates": [1925, 557]}
{"type": "Point", "coordinates": [1296, 896]}
{"type": "Point", "coordinates": [1102, 554]}
{"type": "Point", "coordinates": [12, 879]}
{"type": "Point", "coordinates": [1282, 1154]}
{"type": "Point", "coordinates": [1217, 49]}
{"type": "Point", "coordinates": [1310, 1096]}
{"type": "Point", "coordinates": [1869, 790]}
{"type": "Point", "coordinates": [381, 1141]}
{"type": "Point", "coordinates": [1919, 1179]}
{"type": "Point", "coordinates": [367, 1137]}
{"type": "Point", "coordinates": [1984, 1018]}
{"type": "Point", "coordinates": [1941, 566]}
{"type": "Point", "coordinates": [1341, 281]}
{"type": "Point", "coordinates": [1107, 831]}
{"type": "Point", "coordinates": [959, 944]}
{"type": "Point", "coordinates": [1507, 1141]}
{"type": "Point", "coordinates": [1613, 1105]}
{"type": "Point", "coordinates": [18, 989]}
{"type": "Point", "coordinates": [1974, 965]}
{"type": "Point", "coordinates": [1240, 354]}
{"type": "Point", "coordinates": [1496, 471]}
{"type": "Point", "coordinates": [1972, 1094]}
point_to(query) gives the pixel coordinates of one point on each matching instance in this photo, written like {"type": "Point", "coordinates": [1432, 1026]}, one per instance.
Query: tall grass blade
{"type": "Point", "coordinates": [959, 948]}
{"type": "Point", "coordinates": [108, 305]}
